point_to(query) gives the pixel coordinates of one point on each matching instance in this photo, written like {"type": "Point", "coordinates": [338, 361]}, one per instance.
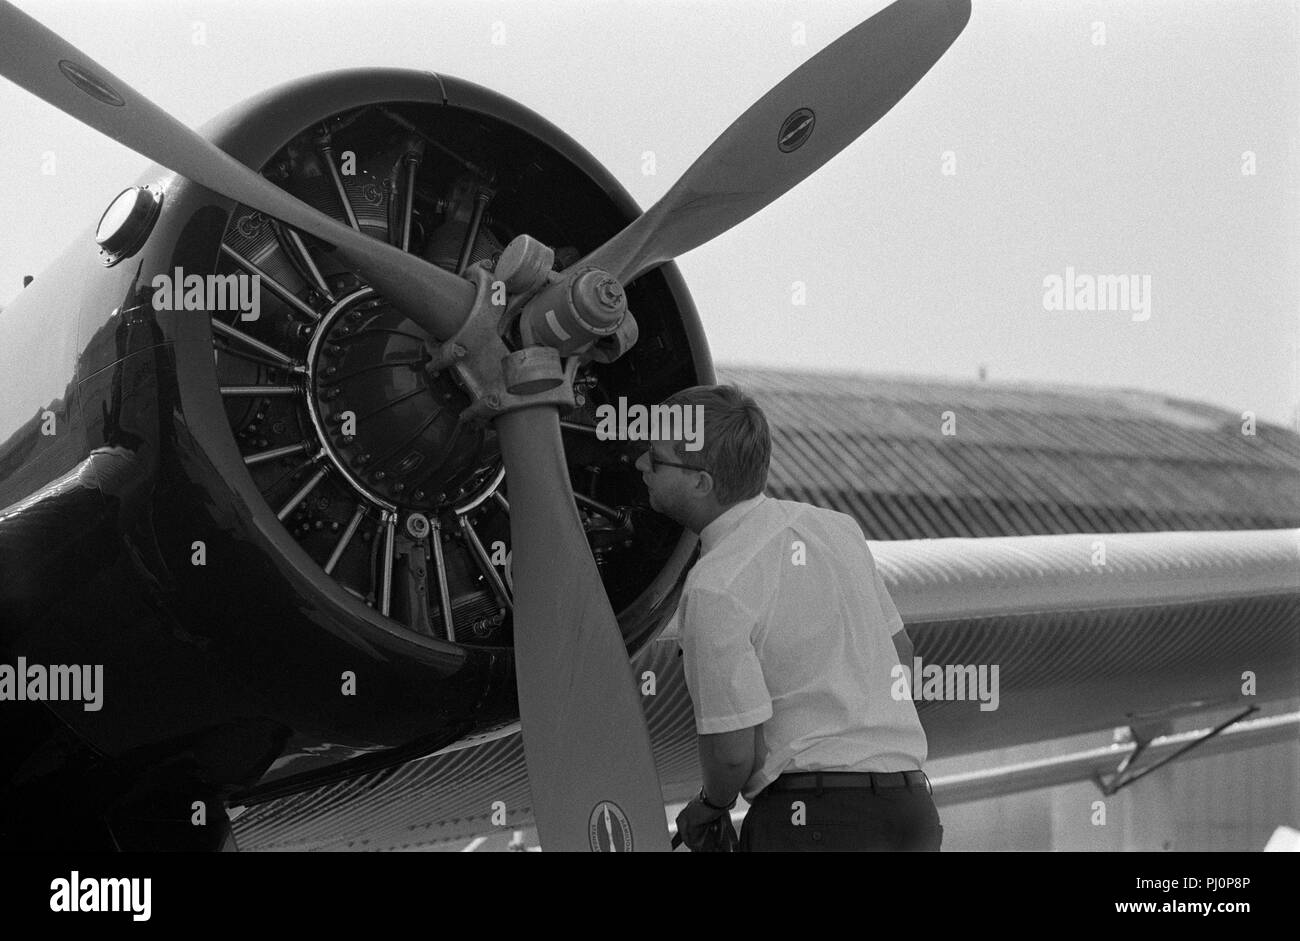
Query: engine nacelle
{"type": "Point", "coordinates": [252, 506]}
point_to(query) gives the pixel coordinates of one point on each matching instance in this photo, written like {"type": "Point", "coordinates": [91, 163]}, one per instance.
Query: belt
{"type": "Point", "coordinates": [868, 780]}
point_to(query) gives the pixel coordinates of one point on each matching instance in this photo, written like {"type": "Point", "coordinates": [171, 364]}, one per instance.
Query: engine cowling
{"type": "Point", "coordinates": [228, 545]}
{"type": "Point", "coordinates": [357, 443]}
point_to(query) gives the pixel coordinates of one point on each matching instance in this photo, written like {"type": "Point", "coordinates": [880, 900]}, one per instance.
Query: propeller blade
{"type": "Point", "coordinates": [590, 766]}
{"type": "Point", "coordinates": [817, 111]}
{"type": "Point", "coordinates": [36, 59]}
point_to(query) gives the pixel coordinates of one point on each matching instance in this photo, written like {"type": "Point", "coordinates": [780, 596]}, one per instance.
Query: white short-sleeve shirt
{"type": "Point", "coordinates": [786, 625]}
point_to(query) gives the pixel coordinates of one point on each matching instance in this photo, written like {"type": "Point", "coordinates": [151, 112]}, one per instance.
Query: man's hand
{"type": "Point", "coordinates": [727, 760]}
{"type": "Point", "coordinates": [706, 829]}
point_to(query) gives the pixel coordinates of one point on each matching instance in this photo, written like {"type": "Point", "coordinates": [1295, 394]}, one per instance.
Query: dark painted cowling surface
{"type": "Point", "coordinates": [224, 674]}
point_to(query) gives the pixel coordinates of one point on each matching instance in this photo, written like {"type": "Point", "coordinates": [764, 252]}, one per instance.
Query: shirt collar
{"type": "Point", "coordinates": [727, 522]}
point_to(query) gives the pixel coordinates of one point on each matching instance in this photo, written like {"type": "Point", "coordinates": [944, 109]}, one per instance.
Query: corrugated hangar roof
{"type": "Point", "coordinates": [1019, 459]}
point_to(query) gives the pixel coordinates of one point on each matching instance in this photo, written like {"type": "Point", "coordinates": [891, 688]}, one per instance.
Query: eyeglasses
{"type": "Point", "coordinates": [656, 463]}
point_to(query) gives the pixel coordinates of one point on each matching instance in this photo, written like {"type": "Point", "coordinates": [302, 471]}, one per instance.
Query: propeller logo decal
{"type": "Point", "coordinates": [94, 87]}
{"type": "Point", "coordinates": [608, 830]}
{"type": "Point", "coordinates": [795, 130]}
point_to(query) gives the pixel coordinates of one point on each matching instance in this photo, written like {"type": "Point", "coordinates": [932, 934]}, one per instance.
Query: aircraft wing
{"type": "Point", "coordinates": [1085, 631]}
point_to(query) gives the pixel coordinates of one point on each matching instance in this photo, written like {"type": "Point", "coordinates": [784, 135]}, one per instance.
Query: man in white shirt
{"type": "Point", "coordinates": [788, 641]}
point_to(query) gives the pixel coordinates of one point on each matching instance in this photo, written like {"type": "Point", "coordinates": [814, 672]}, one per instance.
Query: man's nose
{"type": "Point", "coordinates": [643, 462]}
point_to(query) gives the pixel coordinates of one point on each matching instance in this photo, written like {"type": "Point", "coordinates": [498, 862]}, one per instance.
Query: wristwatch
{"type": "Point", "coordinates": [704, 799]}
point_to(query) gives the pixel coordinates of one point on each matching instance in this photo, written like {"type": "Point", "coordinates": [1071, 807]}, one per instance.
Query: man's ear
{"type": "Point", "coordinates": [703, 484]}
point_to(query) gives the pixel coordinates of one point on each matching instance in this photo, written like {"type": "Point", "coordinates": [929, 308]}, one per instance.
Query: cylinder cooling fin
{"type": "Point", "coordinates": [348, 427]}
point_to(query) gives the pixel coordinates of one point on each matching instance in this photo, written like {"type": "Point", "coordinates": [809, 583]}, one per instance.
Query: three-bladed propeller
{"type": "Point", "coordinates": [590, 766]}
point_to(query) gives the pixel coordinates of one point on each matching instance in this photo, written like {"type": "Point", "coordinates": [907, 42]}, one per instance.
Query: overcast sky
{"type": "Point", "coordinates": [1148, 139]}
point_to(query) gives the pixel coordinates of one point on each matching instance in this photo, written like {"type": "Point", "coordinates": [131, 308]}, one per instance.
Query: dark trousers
{"type": "Point", "coordinates": [841, 819]}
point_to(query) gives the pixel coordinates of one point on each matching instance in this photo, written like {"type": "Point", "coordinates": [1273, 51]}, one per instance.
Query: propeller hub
{"type": "Point", "coordinates": [599, 302]}
{"type": "Point", "coordinates": [610, 294]}
{"type": "Point", "coordinates": [572, 313]}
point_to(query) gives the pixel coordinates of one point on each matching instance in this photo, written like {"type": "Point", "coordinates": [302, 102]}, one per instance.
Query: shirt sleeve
{"type": "Point", "coordinates": [893, 620]}
{"type": "Point", "coordinates": [722, 671]}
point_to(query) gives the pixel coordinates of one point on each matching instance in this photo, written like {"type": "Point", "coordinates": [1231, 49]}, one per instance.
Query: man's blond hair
{"type": "Point", "coordinates": [736, 444]}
